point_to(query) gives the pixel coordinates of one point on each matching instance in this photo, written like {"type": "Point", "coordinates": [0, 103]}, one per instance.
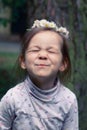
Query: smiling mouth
{"type": "Point", "coordinates": [42, 65]}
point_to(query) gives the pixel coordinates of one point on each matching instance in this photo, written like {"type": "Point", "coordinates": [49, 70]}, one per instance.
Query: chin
{"type": "Point", "coordinates": [42, 75]}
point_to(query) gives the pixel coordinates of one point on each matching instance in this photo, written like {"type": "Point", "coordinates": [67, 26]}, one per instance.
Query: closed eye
{"type": "Point", "coordinates": [33, 50]}
{"type": "Point", "coordinates": [53, 51]}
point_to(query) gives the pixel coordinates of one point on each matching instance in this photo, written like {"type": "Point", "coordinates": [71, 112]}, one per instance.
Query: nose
{"type": "Point", "coordinates": [42, 55]}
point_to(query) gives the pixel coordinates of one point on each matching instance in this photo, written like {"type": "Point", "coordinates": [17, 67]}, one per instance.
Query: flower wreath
{"type": "Point", "coordinates": [44, 23]}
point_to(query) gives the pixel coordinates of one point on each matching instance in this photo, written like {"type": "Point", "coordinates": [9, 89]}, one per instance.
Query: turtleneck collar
{"type": "Point", "coordinates": [43, 95]}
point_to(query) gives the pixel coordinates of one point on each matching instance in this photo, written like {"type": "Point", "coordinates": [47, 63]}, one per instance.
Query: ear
{"type": "Point", "coordinates": [22, 63]}
{"type": "Point", "coordinates": [23, 66]}
{"type": "Point", "coordinates": [63, 67]}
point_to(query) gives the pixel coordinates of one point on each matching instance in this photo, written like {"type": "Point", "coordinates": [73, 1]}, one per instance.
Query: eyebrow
{"type": "Point", "coordinates": [51, 47]}
{"type": "Point", "coordinates": [34, 46]}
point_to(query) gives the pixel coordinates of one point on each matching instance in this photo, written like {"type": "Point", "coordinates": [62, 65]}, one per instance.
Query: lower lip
{"type": "Point", "coordinates": [42, 65]}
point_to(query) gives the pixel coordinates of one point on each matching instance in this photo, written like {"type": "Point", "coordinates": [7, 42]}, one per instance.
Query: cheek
{"type": "Point", "coordinates": [29, 59]}
{"type": "Point", "coordinates": [57, 60]}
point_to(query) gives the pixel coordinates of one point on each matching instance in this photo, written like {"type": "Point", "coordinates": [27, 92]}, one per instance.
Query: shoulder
{"type": "Point", "coordinates": [14, 92]}
{"type": "Point", "coordinates": [67, 93]}
{"type": "Point", "coordinates": [67, 97]}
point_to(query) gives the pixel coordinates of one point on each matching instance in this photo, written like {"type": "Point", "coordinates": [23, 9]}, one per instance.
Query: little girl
{"type": "Point", "coordinates": [41, 101]}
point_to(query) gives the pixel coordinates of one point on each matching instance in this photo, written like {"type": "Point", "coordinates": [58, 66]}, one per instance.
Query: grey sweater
{"type": "Point", "coordinates": [26, 107]}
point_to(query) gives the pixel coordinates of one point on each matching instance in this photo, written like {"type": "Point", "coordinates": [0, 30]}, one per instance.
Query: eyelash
{"type": "Point", "coordinates": [51, 51]}
{"type": "Point", "coordinates": [37, 50]}
{"type": "Point", "coordinates": [34, 50]}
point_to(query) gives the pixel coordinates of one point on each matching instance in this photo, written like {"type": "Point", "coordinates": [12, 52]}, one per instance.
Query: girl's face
{"type": "Point", "coordinates": [43, 57]}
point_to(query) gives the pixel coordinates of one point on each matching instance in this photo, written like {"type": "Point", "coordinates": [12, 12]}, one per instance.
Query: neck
{"type": "Point", "coordinates": [43, 83]}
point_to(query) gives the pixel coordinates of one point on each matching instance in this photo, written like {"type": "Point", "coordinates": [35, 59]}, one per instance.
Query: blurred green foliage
{"type": "Point", "coordinates": [7, 70]}
{"type": "Point", "coordinates": [4, 21]}
{"type": "Point", "coordinates": [12, 3]}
